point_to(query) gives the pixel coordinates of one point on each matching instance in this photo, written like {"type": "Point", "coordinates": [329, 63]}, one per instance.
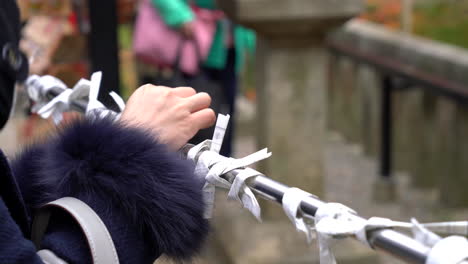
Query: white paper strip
{"type": "Point", "coordinates": [240, 192]}
{"type": "Point", "coordinates": [332, 221]}
{"type": "Point", "coordinates": [219, 132]}
{"type": "Point", "coordinates": [291, 201]}
{"type": "Point", "coordinates": [219, 165]}
{"type": "Point", "coordinates": [95, 85]}
{"type": "Point", "coordinates": [450, 250]}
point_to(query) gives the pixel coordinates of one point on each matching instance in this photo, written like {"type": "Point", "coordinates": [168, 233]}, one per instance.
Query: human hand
{"type": "Point", "coordinates": [174, 115]}
{"type": "Point", "coordinates": [187, 29]}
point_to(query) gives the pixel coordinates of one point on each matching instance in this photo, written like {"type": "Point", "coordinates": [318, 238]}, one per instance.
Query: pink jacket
{"type": "Point", "coordinates": [157, 44]}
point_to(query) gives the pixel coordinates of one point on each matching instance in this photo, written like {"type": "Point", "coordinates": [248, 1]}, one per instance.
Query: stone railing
{"type": "Point", "coordinates": [404, 99]}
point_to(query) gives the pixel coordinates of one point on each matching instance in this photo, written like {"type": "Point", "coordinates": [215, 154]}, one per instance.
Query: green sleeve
{"type": "Point", "coordinates": [247, 39]}
{"type": "Point", "coordinates": [251, 41]}
{"type": "Point", "coordinates": [174, 12]}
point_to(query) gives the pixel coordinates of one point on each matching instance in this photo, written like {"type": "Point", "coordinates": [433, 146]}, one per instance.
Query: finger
{"type": "Point", "coordinates": [204, 118]}
{"type": "Point", "coordinates": [199, 102]}
{"type": "Point", "coordinates": [184, 91]}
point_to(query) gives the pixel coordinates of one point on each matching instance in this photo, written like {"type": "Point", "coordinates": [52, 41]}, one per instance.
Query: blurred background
{"type": "Point", "coordinates": [362, 102]}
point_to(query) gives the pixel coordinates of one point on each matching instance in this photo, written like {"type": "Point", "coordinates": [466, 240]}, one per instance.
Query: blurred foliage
{"type": "Point", "coordinates": [247, 86]}
{"type": "Point", "coordinates": [442, 20]}
{"type": "Point", "coordinates": [128, 76]}
{"type": "Point", "coordinates": [386, 12]}
{"type": "Point", "coordinates": [445, 21]}
{"type": "Point", "coordinates": [125, 33]}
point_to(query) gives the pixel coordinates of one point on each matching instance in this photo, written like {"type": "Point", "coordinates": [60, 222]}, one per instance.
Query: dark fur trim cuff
{"type": "Point", "coordinates": [131, 172]}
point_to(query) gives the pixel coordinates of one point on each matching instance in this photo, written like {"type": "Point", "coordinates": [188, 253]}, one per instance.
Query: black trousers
{"type": "Point", "coordinates": [227, 78]}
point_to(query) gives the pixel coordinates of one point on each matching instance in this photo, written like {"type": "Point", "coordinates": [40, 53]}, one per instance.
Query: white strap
{"type": "Point", "coordinates": [84, 90]}
{"type": "Point", "coordinates": [49, 257]}
{"type": "Point", "coordinates": [241, 192]}
{"type": "Point", "coordinates": [291, 202]}
{"type": "Point", "coordinates": [459, 228]}
{"type": "Point", "coordinates": [219, 132]}
{"type": "Point", "coordinates": [423, 235]}
{"type": "Point", "coordinates": [98, 237]}
{"type": "Point", "coordinates": [210, 166]}
{"type": "Point", "coordinates": [450, 250]}
{"type": "Point", "coordinates": [95, 84]}
{"type": "Point", "coordinates": [118, 100]}
{"type": "Point", "coordinates": [372, 224]}
{"type": "Point", "coordinates": [56, 107]}
{"type": "Point", "coordinates": [38, 86]}
{"type": "Point", "coordinates": [333, 220]}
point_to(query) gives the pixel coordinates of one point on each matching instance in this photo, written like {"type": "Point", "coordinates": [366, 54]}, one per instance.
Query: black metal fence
{"type": "Point", "coordinates": [394, 75]}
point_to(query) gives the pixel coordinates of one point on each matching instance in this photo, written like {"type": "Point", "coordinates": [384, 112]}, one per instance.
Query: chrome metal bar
{"type": "Point", "coordinates": [389, 241]}
{"type": "Point", "coordinates": [399, 245]}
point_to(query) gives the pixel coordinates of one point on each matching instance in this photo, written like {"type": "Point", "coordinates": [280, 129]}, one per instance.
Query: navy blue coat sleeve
{"type": "Point", "coordinates": [14, 247]}
{"type": "Point", "coordinates": [146, 195]}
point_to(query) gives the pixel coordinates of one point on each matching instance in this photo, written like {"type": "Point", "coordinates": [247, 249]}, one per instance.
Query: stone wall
{"type": "Point", "coordinates": [430, 130]}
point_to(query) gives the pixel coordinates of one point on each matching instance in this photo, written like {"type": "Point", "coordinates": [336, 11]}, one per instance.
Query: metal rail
{"type": "Point", "coordinates": [389, 241]}
{"type": "Point", "coordinates": [391, 69]}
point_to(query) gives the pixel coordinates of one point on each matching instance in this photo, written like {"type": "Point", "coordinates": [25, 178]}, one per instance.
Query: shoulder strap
{"type": "Point", "coordinates": [98, 237]}
{"type": "Point", "coordinates": [48, 257]}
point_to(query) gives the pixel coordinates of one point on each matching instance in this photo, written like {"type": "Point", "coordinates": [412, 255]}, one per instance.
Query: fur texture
{"type": "Point", "coordinates": [124, 173]}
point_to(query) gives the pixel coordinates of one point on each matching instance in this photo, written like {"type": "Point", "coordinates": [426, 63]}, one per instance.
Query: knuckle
{"type": "Point", "coordinates": [146, 87]}
{"type": "Point", "coordinates": [170, 91]}
{"type": "Point", "coordinates": [191, 89]}
{"type": "Point", "coordinates": [179, 107]}
{"type": "Point", "coordinates": [211, 114]}
{"type": "Point", "coordinates": [206, 96]}
{"type": "Point", "coordinates": [182, 109]}
{"type": "Point", "coordinates": [162, 91]}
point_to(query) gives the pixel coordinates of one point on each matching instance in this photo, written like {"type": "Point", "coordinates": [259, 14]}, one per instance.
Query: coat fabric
{"type": "Point", "coordinates": [13, 64]}
{"type": "Point", "coordinates": [177, 12]}
{"type": "Point", "coordinates": [147, 196]}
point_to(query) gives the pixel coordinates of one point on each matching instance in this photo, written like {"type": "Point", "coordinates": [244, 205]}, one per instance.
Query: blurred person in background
{"type": "Point", "coordinates": [126, 171]}
{"type": "Point", "coordinates": [230, 45]}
